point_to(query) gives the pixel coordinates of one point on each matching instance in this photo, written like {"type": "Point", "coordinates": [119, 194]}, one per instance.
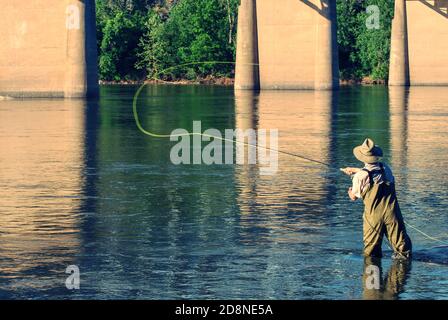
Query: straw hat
{"type": "Point", "coordinates": [368, 152]}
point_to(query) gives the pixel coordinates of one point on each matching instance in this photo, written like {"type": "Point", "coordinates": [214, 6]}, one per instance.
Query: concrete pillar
{"type": "Point", "coordinates": [399, 55]}
{"type": "Point", "coordinates": [247, 70]}
{"type": "Point", "coordinates": [327, 64]}
{"type": "Point", "coordinates": [81, 76]}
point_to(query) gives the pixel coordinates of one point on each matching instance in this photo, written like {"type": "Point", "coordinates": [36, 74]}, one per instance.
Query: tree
{"type": "Point", "coordinates": [171, 38]}
{"type": "Point", "coordinates": [348, 31]}
{"type": "Point", "coordinates": [194, 31]}
{"type": "Point", "coordinates": [151, 47]}
{"type": "Point", "coordinates": [121, 35]}
{"type": "Point", "coordinates": [120, 25]}
{"type": "Point", "coordinates": [374, 44]}
{"type": "Point", "coordinates": [363, 52]}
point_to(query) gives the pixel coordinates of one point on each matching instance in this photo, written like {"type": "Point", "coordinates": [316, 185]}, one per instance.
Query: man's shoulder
{"type": "Point", "coordinates": [385, 165]}
{"type": "Point", "coordinates": [389, 172]}
{"type": "Point", "coordinates": [360, 175]}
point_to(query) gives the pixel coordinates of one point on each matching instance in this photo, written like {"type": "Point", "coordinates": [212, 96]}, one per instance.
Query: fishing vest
{"type": "Point", "coordinates": [380, 192]}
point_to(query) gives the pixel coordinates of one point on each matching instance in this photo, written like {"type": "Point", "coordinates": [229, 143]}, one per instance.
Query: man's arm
{"type": "Point", "coordinates": [350, 171]}
{"type": "Point", "coordinates": [351, 195]}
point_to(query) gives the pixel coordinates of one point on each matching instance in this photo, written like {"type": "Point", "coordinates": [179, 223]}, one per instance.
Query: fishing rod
{"type": "Point", "coordinates": [156, 77]}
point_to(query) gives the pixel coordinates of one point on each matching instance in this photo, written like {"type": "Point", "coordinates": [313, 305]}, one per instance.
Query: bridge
{"type": "Point", "coordinates": [49, 46]}
{"type": "Point", "coordinates": [419, 44]}
{"type": "Point", "coordinates": [294, 45]}
{"type": "Point", "coordinates": [287, 46]}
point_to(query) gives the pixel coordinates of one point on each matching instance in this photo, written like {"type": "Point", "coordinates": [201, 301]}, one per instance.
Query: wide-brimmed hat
{"type": "Point", "coordinates": [368, 152]}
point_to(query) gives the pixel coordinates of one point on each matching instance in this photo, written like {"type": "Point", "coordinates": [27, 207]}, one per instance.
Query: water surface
{"type": "Point", "coordinates": [81, 185]}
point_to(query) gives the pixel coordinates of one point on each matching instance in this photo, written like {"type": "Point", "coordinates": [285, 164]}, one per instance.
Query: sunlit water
{"type": "Point", "coordinates": [81, 185]}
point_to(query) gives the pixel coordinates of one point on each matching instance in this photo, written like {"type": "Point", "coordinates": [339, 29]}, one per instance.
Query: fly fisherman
{"type": "Point", "coordinates": [375, 185]}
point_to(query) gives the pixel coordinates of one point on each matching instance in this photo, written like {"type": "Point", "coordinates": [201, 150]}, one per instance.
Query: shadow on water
{"type": "Point", "coordinates": [435, 255]}
{"type": "Point", "coordinates": [41, 181]}
{"type": "Point", "coordinates": [138, 226]}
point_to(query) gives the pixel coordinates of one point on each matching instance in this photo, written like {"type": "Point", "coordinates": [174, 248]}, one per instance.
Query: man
{"type": "Point", "coordinates": [375, 185]}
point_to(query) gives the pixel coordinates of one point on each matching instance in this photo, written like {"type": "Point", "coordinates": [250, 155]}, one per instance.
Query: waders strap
{"type": "Point", "coordinates": [372, 172]}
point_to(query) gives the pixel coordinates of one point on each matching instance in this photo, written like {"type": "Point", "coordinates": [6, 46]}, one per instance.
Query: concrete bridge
{"type": "Point", "coordinates": [287, 46]}
{"type": "Point", "coordinates": [48, 47]}
{"type": "Point", "coordinates": [419, 44]}
{"type": "Point", "coordinates": [294, 45]}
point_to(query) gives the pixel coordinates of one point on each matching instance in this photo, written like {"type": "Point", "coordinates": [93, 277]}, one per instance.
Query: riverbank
{"type": "Point", "coordinates": [364, 81]}
{"type": "Point", "coordinates": [210, 80]}
{"type": "Point", "coordinates": [227, 81]}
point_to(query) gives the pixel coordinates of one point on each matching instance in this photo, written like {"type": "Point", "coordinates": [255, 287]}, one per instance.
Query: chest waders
{"type": "Point", "coordinates": [382, 215]}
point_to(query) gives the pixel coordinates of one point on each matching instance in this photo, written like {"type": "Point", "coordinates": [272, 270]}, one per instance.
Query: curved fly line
{"type": "Point", "coordinates": [164, 136]}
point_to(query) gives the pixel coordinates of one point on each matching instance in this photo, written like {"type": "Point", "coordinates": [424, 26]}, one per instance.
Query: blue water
{"type": "Point", "coordinates": [81, 185]}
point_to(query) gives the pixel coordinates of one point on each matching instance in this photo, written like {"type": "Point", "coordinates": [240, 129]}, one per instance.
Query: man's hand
{"type": "Point", "coordinates": [351, 195]}
{"type": "Point", "coordinates": [350, 171]}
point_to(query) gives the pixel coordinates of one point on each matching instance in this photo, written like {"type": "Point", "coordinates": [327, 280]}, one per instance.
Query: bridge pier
{"type": "Point", "coordinates": [287, 46]}
{"type": "Point", "coordinates": [247, 74]}
{"type": "Point", "coordinates": [419, 43]}
{"type": "Point", "coordinates": [48, 48]}
{"type": "Point", "coordinates": [399, 55]}
{"type": "Point", "coordinates": [81, 75]}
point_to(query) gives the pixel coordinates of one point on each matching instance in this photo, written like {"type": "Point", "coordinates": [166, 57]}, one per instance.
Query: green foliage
{"type": "Point", "coordinates": [348, 31]}
{"type": "Point", "coordinates": [363, 52]}
{"type": "Point", "coordinates": [119, 46]}
{"type": "Point", "coordinates": [140, 39]}
{"type": "Point", "coordinates": [151, 55]}
{"type": "Point", "coordinates": [194, 31]}
{"type": "Point", "coordinates": [374, 44]}
{"type": "Point", "coordinates": [121, 24]}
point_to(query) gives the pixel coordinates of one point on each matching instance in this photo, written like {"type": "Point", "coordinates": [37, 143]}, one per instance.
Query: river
{"type": "Point", "coordinates": [82, 185]}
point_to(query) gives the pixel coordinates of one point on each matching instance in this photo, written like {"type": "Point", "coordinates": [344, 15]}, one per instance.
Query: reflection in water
{"type": "Point", "coordinates": [285, 209]}
{"type": "Point", "coordinates": [418, 138]}
{"type": "Point", "coordinates": [246, 117]}
{"type": "Point", "coordinates": [426, 126]}
{"type": "Point", "coordinates": [41, 181]}
{"type": "Point", "coordinates": [303, 121]}
{"type": "Point", "coordinates": [399, 108]}
{"type": "Point", "coordinates": [83, 186]}
{"type": "Point", "coordinates": [391, 285]}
